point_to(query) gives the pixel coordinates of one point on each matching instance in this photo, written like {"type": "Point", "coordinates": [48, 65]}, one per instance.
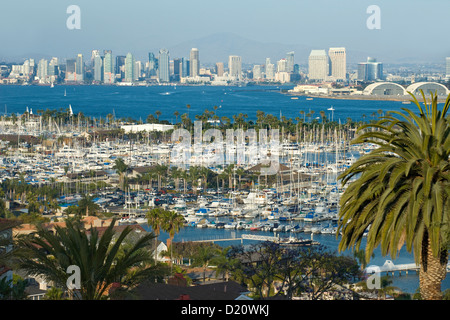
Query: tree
{"type": "Point", "coordinates": [99, 258]}
{"type": "Point", "coordinates": [402, 191]}
{"type": "Point", "coordinates": [121, 169]}
{"type": "Point", "coordinates": [155, 219]}
{"type": "Point", "coordinates": [203, 258]}
{"type": "Point", "coordinates": [87, 206]}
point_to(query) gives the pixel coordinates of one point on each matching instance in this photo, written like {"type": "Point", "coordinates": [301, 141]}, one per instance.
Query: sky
{"type": "Point", "coordinates": [412, 30]}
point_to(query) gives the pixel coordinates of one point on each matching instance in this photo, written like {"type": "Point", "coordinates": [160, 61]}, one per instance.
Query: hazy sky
{"type": "Point", "coordinates": [409, 28]}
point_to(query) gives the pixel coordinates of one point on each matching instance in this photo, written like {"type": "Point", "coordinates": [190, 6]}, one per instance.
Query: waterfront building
{"type": "Point", "coordinates": [318, 65]}
{"type": "Point", "coordinates": [42, 70]}
{"type": "Point", "coordinates": [235, 67]}
{"type": "Point", "coordinates": [290, 62]}
{"type": "Point", "coordinates": [219, 69]}
{"type": "Point", "coordinates": [270, 71]}
{"type": "Point", "coordinates": [194, 62]}
{"type": "Point", "coordinates": [120, 67]}
{"type": "Point", "coordinates": [371, 70]}
{"type": "Point", "coordinates": [98, 67]}
{"type": "Point", "coordinates": [130, 68]}
{"type": "Point", "coordinates": [282, 66]}
{"type": "Point", "coordinates": [79, 68]}
{"type": "Point", "coordinates": [338, 63]}
{"type": "Point", "coordinates": [163, 63]}
{"type": "Point", "coordinates": [108, 68]}
{"type": "Point", "coordinates": [70, 70]}
{"type": "Point", "coordinates": [257, 74]}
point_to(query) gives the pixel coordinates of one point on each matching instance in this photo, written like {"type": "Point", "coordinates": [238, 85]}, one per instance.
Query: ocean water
{"type": "Point", "coordinates": [139, 102]}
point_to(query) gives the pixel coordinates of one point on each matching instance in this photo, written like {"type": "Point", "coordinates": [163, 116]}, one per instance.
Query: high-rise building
{"type": "Point", "coordinates": [42, 70]}
{"type": "Point", "coordinates": [79, 68]}
{"type": "Point", "coordinates": [338, 63]}
{"type": "Point", "coordinates": [370, 70]}
{"type": "Point", "coordinates": [152, 69]}
{"type": "Point", "coordinates": [98, 67]}
{"type": "Point", "coordinates": [53, 67]}
{"type": "Point", "coordinates": [177, 68]}
{"type": "Point", "coordinates": [270, 71]}
{"type": "Point", "coordinates": [120, 67]}
{"type": "Point", "coordinates": [163, 66]}
{"type": "Point", "coordinates": [194, 64]}
{"type": "Point", "coordinates": [219, 69]}
{"type": "Point", "coordinates": [447, 68]}
{"type": "Point", "coordinates": [130, 68]}
{"type": "Point", "coordinates": [290, 62]}
{"type": "Point", "coordinates": [257, 73]}
{"type": "Point", "coordinates": [318, 65]}
{"type": "Point", "coordinates": [71, 69]}
{"type": "Point", "coordinates": [235, 67]}
{"type": "Point", "coordinates": [282, 65]}
{"type": "Point", "coordinates": [109, 73]}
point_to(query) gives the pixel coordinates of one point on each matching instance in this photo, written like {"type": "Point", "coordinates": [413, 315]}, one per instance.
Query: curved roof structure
{"type": "Point", "coordinates": [428, 87]}
{"type": "Point", "coordinates": [384, 89]}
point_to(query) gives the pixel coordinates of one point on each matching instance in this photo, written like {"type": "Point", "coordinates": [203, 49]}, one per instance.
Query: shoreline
{"type": "Point", "coordinates": [406, 98]}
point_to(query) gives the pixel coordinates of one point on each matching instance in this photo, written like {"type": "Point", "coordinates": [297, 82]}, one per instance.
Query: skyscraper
{"type": "Point", "coordinates": [318, 65]}
{"type": "Point", "coordinates": [219, 69]}
{"type": "Point", "coordinates": [109, 75]}
{"type": "Point", "coordinates": [130, 68]}
{"type": "Point", "coordinates": [152, 65]}
{"type": "Point", "coordinates": [257, 74]}
{"type": "Point", "coordinates": [163, 66]}
{"type": "Point", "coordinates": [42, 70]}
{"type": "Point", "coordinates": [70, 69]}
{"type": "Point", "coordinates": [235, 67]}
{"type": "Point", "coordinates": [79, 68]}
{"type": "Point", "coordinates": [120, 67]}
{"type": "Point", "coordinates": [338, 61]}
{"type": "Point", "coordinates": [98, 67]}
{"type": "Point", "coordinates": [290, 62]}
{"type": "Point", "coordinates": [194, 64]}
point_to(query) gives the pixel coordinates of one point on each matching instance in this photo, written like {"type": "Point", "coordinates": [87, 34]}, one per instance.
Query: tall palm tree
{"type": "Point", "coordinates": [155, 219]}
{"type": "Point", "coordinates": [99, 258]}
{"type": "Point", "coordinates": [87, 205]}
{"type": "Point", "coordinates": [121, 169]}
{"type": "Point", "coordinates": [402, 191]}
{"type": "Point", "coordinates": [172, 223]}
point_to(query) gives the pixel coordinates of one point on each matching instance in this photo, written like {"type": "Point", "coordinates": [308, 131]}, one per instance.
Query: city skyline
{"type": "Point", "coordinates": [40, 29]}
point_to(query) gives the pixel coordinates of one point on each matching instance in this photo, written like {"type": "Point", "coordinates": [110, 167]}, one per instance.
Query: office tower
{"type": "Point", "coordinates": [53, 67]}
{"type": "Point", "coordinates": [282, 65]}
{"type": "Point", "coordinates": [318, 65]}
{"type": "Point", "coordinates": [152, 65]}
{"type": "Point", "coordinates": [447, 68]}
{"type": "Point", "coordinates": [194, 62]}
{"type": "Point", "coordinates": [70, 69]}
{"type": "Point", "coordinates": [79, 68]}
{"type": "Point", "coordinates": [257, 73]}
{"type": "Point", "coordinates": [370, 70]}
{"type": "Point", "coordinates": [120, 67]}
{"type": "Point", "coordinates": [130, 68]}
{"type": "Point", "coordinates": [42, 70]}
{"type": "Point", "coordinates": [338, 61]}
{"type": "Point", "coordinates": [98, 67]}
{"type": "Point", "coordinates": [177, 68]}
{"type": "Point", "coordinates": [163, 66]}
{"type": "Point", "coordinates": [93, 55]}
{"type": "Point", "coordinates": [270, 71]}
{"type": "Point", "coordinates": [290, 62]}
{"type": "Point", "coordinates": [219, 69]}
{"type": "Point", "coordinates": [235, 67]}
{"type": "Point", "coordinates": [109, 73]}
{"type": "Point", "coordinates": [186, 67]}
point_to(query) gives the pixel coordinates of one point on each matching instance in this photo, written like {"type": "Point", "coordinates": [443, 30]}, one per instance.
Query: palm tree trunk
{"type": "Point", "coordinates": [432, 272]}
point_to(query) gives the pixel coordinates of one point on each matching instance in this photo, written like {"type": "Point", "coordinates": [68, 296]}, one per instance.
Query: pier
{"type": "Point", "coordinates": [390, 267]}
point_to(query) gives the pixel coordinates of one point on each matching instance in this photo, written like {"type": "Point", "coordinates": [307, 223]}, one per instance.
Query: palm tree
{"type": "Point", "coordinates": [203, 258]}
{"type": "Point", "coordinates": [121, 169]}
{"type": "Point", "coordinates": [172, 223]}
{"type": "Point", "coordinates": [402, 191]}
{"type": "Point", "coordinates": [155, 219]}
{"type": "Point", "coordinates": [87, 205]}
{"type": "Point", "coordinates": [99, 258]}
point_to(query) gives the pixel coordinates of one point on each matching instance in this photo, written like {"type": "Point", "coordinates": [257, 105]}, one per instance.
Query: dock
{"type": "Point", "coordinates": [390, 267]}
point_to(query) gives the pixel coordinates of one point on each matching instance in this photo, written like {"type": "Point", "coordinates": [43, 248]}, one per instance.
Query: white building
{"type": "Point", "coordinates": [318, 65]}
{"type": "Point", "coordinates": [194, 63]}
{"type": "Point", "coordinates": [338, 62]}
{"type": "Point", "coordinates": [235, 67]}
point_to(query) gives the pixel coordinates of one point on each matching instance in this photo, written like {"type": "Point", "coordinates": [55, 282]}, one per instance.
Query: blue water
{"type": "Point", "coordinates": [139, 102]}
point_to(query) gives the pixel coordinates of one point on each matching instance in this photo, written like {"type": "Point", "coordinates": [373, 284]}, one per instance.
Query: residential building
{"type": "Point", "coordinates": [235, 67]}
{"type": "Point", "coordinates": [194, 62]}
{"type": "Point", "coordinates": [109, 73]}
{"type": "Point", "coordinates": [163, 66]}
{"type": "Point", "coordinates": [219, 69]}
{"type": "Point", "coordinates": [130, 68]}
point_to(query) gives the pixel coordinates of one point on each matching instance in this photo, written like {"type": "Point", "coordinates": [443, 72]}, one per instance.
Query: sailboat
{"type": "Point", "coordinates": [65, 93]}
